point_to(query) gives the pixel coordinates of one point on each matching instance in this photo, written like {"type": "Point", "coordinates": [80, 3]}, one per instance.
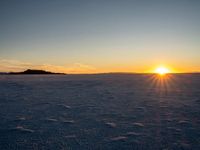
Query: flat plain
{"type": "Point", "coordinates": [100, 112]}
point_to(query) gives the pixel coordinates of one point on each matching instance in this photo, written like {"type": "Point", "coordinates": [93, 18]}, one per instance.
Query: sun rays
{"type": "Point", "coordinates": [161, 84]}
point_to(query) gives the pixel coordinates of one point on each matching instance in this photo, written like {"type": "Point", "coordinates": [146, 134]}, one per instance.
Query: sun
{"type": "Point", "coordinates": [162, 70]}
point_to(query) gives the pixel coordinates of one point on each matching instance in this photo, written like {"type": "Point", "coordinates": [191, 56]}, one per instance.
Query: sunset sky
{"type": "Point", "coordinates": [94, 36]}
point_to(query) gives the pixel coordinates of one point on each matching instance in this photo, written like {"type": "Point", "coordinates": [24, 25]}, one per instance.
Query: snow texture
{"type": "Point", "coordinates": [100, 112]}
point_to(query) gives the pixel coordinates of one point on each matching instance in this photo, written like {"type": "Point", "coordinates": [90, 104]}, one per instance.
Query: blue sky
{"type": "Point", "coordinates": [100, 35]}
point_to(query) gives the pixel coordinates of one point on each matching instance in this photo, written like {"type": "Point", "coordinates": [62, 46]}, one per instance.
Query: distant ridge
{"type": "Point", "coordinates": [30, 71]}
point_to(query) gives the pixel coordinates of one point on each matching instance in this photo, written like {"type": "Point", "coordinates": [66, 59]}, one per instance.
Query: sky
{"type": "Point", "coordinates": [95, 36]}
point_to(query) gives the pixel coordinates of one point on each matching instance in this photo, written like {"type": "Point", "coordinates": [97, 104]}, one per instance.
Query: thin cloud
{"type": "Point", "coordinates": [15, 65]}
{"type": "Point", "coordinates": [81, 68]}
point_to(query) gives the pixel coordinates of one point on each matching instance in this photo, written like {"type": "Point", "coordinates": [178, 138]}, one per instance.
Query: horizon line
{"type": "Point", "coordinates": [193, 72]}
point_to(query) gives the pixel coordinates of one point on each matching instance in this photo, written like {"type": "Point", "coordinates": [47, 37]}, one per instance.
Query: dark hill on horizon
{"type": "Point", "coordinates": [30, 71]}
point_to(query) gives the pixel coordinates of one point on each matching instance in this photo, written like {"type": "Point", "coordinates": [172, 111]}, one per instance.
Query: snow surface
{"type": "Point", "coordinates": [104, 112]}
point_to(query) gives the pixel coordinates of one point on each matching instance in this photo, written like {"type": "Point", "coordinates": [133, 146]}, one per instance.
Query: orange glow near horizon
{"type": "Point", "coordinates": [79, 68]}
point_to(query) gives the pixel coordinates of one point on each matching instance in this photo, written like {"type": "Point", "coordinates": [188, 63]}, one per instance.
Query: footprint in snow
{"type": "Point", "coordinates": [51, 120]}
{"type": "Point", "coordinates": [184, 123]}
{"type": "Point", "coordinates": [119, 138]}
{"type": "Point", "coordinates": [138, 124]}
{"type": "Point", "coordinates": [133, 134]}
{"type": "Point", "coordinates": [22, 129]}
{"type": "Point", "coordinates": [20, 119]}
{"type": "Point", "coordinates": [111, 124]}
{"type": "Point", "coordinates": [64, 106]}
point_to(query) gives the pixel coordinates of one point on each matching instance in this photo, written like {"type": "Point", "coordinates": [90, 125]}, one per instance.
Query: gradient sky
{"type": "Point", "coordinates": [86, 36]}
